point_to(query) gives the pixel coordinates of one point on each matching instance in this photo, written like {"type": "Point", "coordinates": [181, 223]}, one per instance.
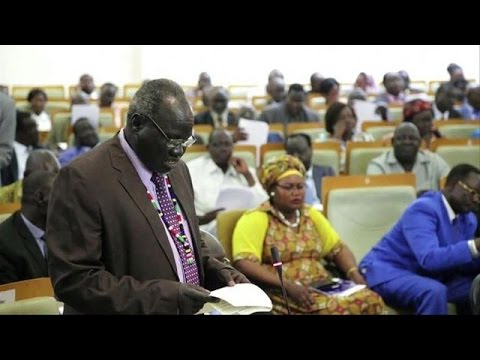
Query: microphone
{"type": "Point", "coordinates": [277, 264]}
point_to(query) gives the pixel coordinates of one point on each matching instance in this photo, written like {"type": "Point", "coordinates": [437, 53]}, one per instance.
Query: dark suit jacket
{"type": "Point", "coordinates": [318, 172]}
{"type": "Point", "coordinates": [108, 250]}
{"type": "Point", "coordinates": [20, 256]}
{"type": "Point", "coordinates": [277, 113]}
{"type": "Point", "coordinates": [9, 174]}
{"type": "Point", "coordinates": [205, 118]}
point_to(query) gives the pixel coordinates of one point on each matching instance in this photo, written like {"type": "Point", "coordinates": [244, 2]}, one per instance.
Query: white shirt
{"type": "Point", "coordinates": [451, 217]}
{"type": "Point", "coordinates": [208, 178]}
{"type": "Point", "coordinates": [220, 120]}
{"type": "Point", "coordinates": [43, 121]}
{"type": "Point", "coordinates": [22, 152]}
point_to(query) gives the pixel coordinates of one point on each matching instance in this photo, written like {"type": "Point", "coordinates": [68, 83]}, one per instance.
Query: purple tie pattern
{"type": "Point", "coordinates": [173, 221]}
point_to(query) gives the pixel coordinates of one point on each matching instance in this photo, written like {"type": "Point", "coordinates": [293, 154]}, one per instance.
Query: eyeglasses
{"type": "Point", "coordinates": [468, 189]}
{"type": "Point", "coordinates": [291, 187]}
{"type": "Point", "coordinates": [171, 143]}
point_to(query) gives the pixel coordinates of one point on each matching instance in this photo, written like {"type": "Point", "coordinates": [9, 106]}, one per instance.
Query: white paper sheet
{"type": "Point", "coordinates": [241, 299]}
{"type": "Point", "coordinates": [257, 134]}
{"type": "Point", "coordinates": [235, 197]}
{"type": "Point", "coordinates": [365, 111]}
{"type": "Point", "coordinates": [91, 112]}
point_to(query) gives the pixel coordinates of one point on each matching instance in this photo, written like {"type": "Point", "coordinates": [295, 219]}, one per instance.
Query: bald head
{"type": "Point", "coordinates": [41, 159]}
{"type": "Point", "coordinates": [406, 142]}
{"type": "Point", "coordinates": [275, 73]}
{"type": "Point", "coordinates": [276, 89]}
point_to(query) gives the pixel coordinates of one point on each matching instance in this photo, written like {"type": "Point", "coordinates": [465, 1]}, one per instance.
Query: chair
{"type": "Point", "coordinates": [327, 154]}
{"type": "Point", "coordinates": [457, 129]}
{"type": "Point", "coordinates": [226, 221]}
{"type": "Point", "coordinates": [457, 151]}
{"type": "Point", "coordinates": [248, 153]}
{"type": "Point", "coordinates": [129, 90]}
{"type": "Point", "coordinates": [54, 92]}
{"type": "Point", "coordinates": [314, 129]}
{"type": "Point", "coordinates": [26, 289]}
{"type": "Point", "coordinates": [106, 118]}
{"type": "Point", "coordinates": [194, 152]}
{"type": "Point", "coordinates": [260, 102]}
{"type": "Point", "coordinates": [7, 209]}
{"type": "Point", "coordinates": [270, 151]}
{"type": "Point", "coordinates": [359, 154]}
{"type": "Point", "coordinates": [363, 208]}
{"type": "Point", "coordinates": [44, 305]}
{"type": "Point", "coordinates": [203, 131]}
{"type": "Point", "coordinates": [378, 129]}
{"type": "Point", "coordinates": [396, 112]}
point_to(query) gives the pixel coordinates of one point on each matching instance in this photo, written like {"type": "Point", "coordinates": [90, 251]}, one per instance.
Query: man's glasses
{"type": "Point", "coordinates": [171, 143]}
{"type": "Point", "coordinates": [468, 189]}
{"type": "Point", "coordinates": [291, 187]}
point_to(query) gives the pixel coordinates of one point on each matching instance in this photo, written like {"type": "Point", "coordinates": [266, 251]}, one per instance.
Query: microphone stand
{"type": "Point", "coordinates": [277, 264]}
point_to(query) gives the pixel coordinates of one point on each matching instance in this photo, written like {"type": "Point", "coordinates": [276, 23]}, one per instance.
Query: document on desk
{"type": "Point", "coordinates": [241, 299]}
{"type": "Point", "coordinates": [235, 197]}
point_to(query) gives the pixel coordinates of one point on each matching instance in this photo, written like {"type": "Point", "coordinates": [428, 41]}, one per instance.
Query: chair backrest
{"type": "Point", "coordinates": [457, 129]}
{"type": "Point", "coordinates": [315, 130]}
{"type": "Point", "coordinates": [194, 152]}
{"type": "Point", "coordinates": [248, 153]}
{"type": "Point", "coordinates": [54, 92]}
{"type": "Point", "coordinates": [330, 183]}
{"type": "Point", "coordinates": [270, 151]}
{"type": "Point", "coordinates": [45, 305]}
{"type": "Point", "coordinates": [361, 216]}
{"type": "Point", "coordinates": [359, 154]}
{"type": "Point", "coordinates": [327, 153]}
{"type": "Point", "coordinates": [226, 221]}
{"type": "Point", "coordinates": [203, 131]}
{"type": "Point", "coordinates": [129, 90]}
{"type": "Point", "coordinates": [29, 288]}
{"type": "Point", "coordinates": [7, 209]}
{"type": "Point", "coordinates": [459, 154]}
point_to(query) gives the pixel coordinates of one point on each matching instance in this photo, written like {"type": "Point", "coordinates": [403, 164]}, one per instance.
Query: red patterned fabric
{"type": "Point", "coordinates": [412, 108]}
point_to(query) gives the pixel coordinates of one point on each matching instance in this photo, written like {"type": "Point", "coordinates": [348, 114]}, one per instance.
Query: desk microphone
{"type": "Point", "coordinates": [277, 264]}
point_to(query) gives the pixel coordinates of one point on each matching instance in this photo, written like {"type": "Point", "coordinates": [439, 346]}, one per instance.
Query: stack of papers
{"type": "Point", "coordinates": [241, 299]}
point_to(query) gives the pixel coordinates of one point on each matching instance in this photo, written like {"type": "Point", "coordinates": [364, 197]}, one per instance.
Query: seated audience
{"type": "Point", "coordinates": [430, 257]}
{"type": "Point", "coordinates": [300, 146]}
{"type": "Point", "coordinates": [445, 100]}
{"type": "Point", "coordinates": [420, 113]}
{"type": "Point", "coordinates": [23, 251]}
{"type": "Point", "coordinates": [86, 138]}
{"type": "Point", "coordinates": [330, 90]}
{"type": "Point", "coordinates": [292, 109]}
{"type": "Point", "coordinates": [85, 90]}
{"type": "Point", "coordinates": [304, 238]}
{"type": "Point", "coordinates": [216, 169]}
{"type": "Point", "coordinates": [26, 140]}
{"type": "Point", "coordinates": [340, 123]}
{"type": "Point", "coordinates": [473, 98]}
{"type": "Point", "coordinates": [40, 159]}
{"type": "Point", "coordinates": [276, 90]}
{"type": "Point", "coordinates": [406, 156]}
{"type": "Point", "coordinates": [38, 99]}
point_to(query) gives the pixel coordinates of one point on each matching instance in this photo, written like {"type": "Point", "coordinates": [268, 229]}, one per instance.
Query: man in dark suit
{"type": "Point", "coordinates": [22, 245]}
{"type": "Point", "coordinates": [26, 139]}
{"type": "Point", "coordinates": [292, 109]}
{"type": "Point", "coordinates": [217, 114]}
{"type": "Point", "coordinates": [122, 231]}
{"type": "Point", "coordinates": [300, 145]}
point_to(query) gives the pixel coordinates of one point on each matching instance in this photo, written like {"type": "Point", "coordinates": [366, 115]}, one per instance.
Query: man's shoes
{"type": "Point", "coordinates": [475, 296]}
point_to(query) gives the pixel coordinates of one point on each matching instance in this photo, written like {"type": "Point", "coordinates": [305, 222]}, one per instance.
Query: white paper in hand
{"type": "Point", "coordinates": [89, 111]}
{"type": "Point", "coordinates": [235, 197]}
{"type": "Point", "coordinates": [241, 299]}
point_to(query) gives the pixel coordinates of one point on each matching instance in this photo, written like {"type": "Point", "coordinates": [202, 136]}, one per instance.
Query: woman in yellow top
{"type": "Point", "coordinates": [304, 238]}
